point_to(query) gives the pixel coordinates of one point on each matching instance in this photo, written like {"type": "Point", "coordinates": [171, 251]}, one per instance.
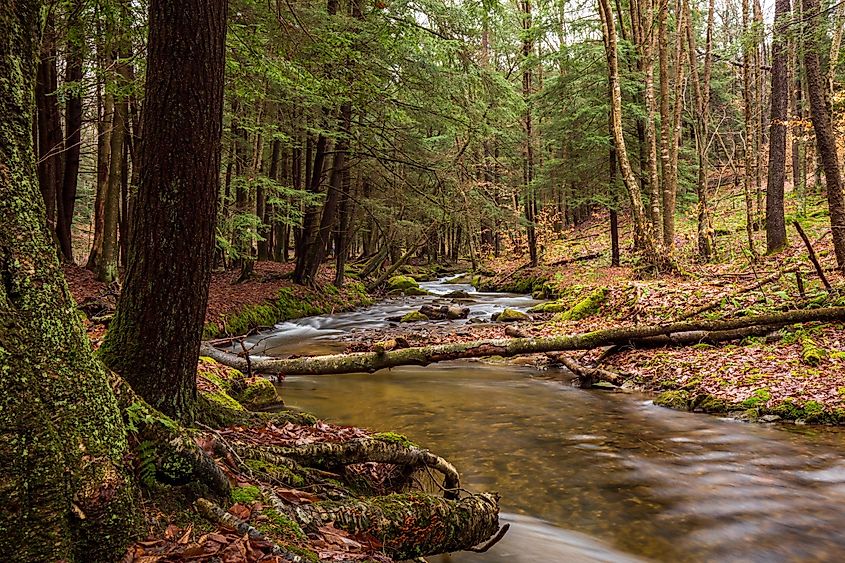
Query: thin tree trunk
{"type": "Point", "coordinates": [73, 139]}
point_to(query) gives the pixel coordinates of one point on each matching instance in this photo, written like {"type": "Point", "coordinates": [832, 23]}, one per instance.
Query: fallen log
{"type": "Point", "coordinates": [368, 362]}
{"type": "Point", "coordinates": [587, 375]}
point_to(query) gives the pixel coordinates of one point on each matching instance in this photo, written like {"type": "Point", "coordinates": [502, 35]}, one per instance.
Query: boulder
{"type": "Point", "coordinates": [402, 283]}
{"type": "Point", "coordinates": [444, 312]}
{"type": "Point", "coordinates": [413, 317]}
{"type": "Point", "coordinates": [510, 316]}
{"type": "Point", "coordinates": [459, 294]}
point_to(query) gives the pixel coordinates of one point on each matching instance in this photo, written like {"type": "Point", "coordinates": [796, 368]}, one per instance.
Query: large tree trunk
{"type": "Point", "coordinates": [154, 338]}
{"type": "Point", "coordinates": [365, 362]}
{"type": "Point", "coordinates": [775, 223]}
{"type": "Point", "coordinates": [66, 492]}
{"type": "Point", "coordinates": [823, 127]}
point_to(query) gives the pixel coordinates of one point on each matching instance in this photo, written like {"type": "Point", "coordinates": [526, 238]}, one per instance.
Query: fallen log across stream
{"type": "Point", "coordinates": [688, 332]}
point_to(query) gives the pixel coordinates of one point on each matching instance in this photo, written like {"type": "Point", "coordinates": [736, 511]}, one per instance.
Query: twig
{"type": "Point", "coordinates": [813, 257]}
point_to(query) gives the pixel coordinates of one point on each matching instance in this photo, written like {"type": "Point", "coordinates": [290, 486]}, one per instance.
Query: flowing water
{"type": "Point", "coordinates": [589, 475]}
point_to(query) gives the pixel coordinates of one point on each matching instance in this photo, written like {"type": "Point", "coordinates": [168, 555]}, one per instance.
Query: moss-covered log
{"type": "Point", "coordinates": [366, 362]}
{"type": "Point", "coordinates": [410, 525]}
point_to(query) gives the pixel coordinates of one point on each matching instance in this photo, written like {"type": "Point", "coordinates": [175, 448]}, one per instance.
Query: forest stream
{"type": "Point", "coordinates": [587, 475]}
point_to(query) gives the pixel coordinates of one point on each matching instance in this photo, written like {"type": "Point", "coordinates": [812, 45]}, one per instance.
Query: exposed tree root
{"type": "Point", "coordinates": [410, 525]}
{"type": "Point", "coordinates": [216, 514]}
{"type": "Point", "coordinates": [171, 455]}
{"type": "Point", "coordinates": [587, 375]}
{"type": "Point", "coordinates": [649, 335]}
{"type": "Point", "coordinates": [329, 454]}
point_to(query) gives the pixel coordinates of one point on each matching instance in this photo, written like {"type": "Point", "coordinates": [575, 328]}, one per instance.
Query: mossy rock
{"type": "Point", "coordinates": [587, 307]}
{"type": "Point", "coordinates": [678, 400]}
{"type": "Point", "coordinates": [415, 291]}
{"type": "Point", "coordinates": [402, 283]}
{"type": "Point", "coordinates": [413, 317]}
{"type": "Point", "coordinates": [811, 353]}
{"type": "Point", "coordinates": [710, 404]}
{"type": "Point", "coordinates": [559, 306]}
{"type": "Point", "coordinates": [758, 399]}
{"type": "Point", "coordinates": [259, 392]}
{"type": "Point", "coordinates": [512, 315]}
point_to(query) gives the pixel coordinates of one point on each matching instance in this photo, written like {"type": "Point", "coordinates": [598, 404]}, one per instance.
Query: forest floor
{"type": "Point", "coordinates": [795, 374]}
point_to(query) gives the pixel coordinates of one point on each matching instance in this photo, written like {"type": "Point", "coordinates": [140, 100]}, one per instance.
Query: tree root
{"type": "Point", "coordinates": [328, 455]}
{"type": "Point", "coordinates": [168, 453]}
{"type": "Point", "coordinates": [410, 525]}
{"type": "Point", "coordinates": [216, 514]}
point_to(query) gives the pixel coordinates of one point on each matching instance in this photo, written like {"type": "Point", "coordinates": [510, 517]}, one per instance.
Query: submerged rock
{"type": "Point", "coordinates": [459, 294]}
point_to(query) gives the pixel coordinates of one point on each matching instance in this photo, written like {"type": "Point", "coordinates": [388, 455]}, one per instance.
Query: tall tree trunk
{"type": "Point", "coordinates": [670, 188]}
{"type": "Point", "coordinates": [643, 233]}
{"type": "Point", "coordinates": [154, 339]}
{"type": "Point", "coordinates": [108, 254]}
{"type": "Point", "coordinates": [67, 494]}
{"type": "Point", "coordinates": [105, 110]}
{"type": "Point", "coordinates": [823, 127]}
{"type": "Point", "coordinates": [748, 119]}
{"type": "Point", "coordinates": [701, 93]}
{"type": "Point", "coordinates": [529, 198]}
{"type": "Point", "coordinates": [50, 136]}
{"type": "Point", "coordinates": [775, 223]}
{"type": "Point", "coordinates": [73, 126]}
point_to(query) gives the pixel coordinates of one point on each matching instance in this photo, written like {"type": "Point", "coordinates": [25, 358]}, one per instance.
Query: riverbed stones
{"type": "Point", "coordinates": [413, 317]}
{"type": "Point", "coordinates": [444, 312]}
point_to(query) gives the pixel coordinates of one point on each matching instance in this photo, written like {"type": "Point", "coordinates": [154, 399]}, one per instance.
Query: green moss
{"type": "Point", "coordinates": [394, 438]}
{"type": "Point", "coordinates": [586, 307]}
{"type": "Point", "coordinates": [278, 472]}
{"type": "Point", "coordinates": [811, 353]}
{"type": "Point", "coordinates": [679, 400]}
{"type": "Point", "coordinates": [259, 392]}
{"type": "Point", "coordinates": [401, 283]}
{"type": "Point", "coordinates": [512, 315]}
{"type": "Point", "coordinates": [710, 404]}
{"type": "Point", "coordinates": [281, 526]}
{"type": "Point", "coordinates": [759, 398]}
{"type": "Point", "coordinates": [415, 291]}
{"type": "Point", "coordinates": [413, 317]}
{"type": "Point", "coordinates": [246, 494]}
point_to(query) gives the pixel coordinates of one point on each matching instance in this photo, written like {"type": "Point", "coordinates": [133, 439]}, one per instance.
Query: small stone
{"type": "Point", "coordinates": [515, 332]}
{"type": "Point", "coordinates": [413, 317]}
{"type": "Point", "coordinates": [769, 418]}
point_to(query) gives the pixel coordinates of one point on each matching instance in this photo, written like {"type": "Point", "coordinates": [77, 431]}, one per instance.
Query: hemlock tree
{"type": "Point", "coordinates": [65, 491]}
{"type": "Point", "coordinates": [154, 339]}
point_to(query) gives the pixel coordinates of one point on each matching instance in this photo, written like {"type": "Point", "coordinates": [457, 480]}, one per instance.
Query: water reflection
{"type": "Point", "coordinates": [646, 481]}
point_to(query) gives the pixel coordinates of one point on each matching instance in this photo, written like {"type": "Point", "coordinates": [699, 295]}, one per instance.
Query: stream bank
{"type": "Point", "coordinates": [585, 475]}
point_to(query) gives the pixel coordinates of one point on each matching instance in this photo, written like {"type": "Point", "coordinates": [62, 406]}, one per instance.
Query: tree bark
{"type": "Point", "coordinates": [154, 338]}
{"type": "Point", "coordinates": [823, 126]}
{"type": "Point", "coordinates": [366, 362]}
{"type": "Point", "coordinates": [775, 222]}
{"type": "Point", "coordinates": [66, 492]}
{"type": "Point", "coordinates": [50, 136]}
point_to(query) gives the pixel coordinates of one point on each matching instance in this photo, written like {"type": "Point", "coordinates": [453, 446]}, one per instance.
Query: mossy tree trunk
{"type": "Point", "coordinates": [66, 494]}
{"type": "Point", "coordinates": [154, 339]}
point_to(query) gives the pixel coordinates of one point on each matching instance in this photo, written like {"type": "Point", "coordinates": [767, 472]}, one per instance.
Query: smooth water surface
{"type": "Point", "coordinates": [590, 475]}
